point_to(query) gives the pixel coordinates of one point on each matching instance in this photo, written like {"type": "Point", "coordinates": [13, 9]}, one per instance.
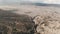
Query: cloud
{"type": "Point", "coordinates": [51, 1]}
{"type": "Point", "coordinates": [39, 1]}
{"type": "Point", "coordinates": [46, 1]}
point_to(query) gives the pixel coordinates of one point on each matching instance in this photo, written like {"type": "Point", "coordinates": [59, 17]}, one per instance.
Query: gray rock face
{"type": "Point", "coordinates": [47, 25]}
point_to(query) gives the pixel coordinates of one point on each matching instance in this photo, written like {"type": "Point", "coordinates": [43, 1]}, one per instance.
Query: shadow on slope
{"type": "Point", "coordinates": [14, 23]}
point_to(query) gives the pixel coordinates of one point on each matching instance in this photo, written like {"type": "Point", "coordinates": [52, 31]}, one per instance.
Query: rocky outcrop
{"type": "Point", "coordinates": [47, 25]}
{"type": "Point", "coordinates": [19, 21]}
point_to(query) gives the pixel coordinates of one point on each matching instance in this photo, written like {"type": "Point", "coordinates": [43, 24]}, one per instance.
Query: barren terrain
{"type": "Point", "coordinates": [32, 10]}
{"type": "Point", "coordinates": [30, 18]}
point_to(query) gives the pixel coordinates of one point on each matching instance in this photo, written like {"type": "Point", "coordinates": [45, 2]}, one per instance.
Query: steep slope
{"type": "Point", "coordinates": [47, 19]}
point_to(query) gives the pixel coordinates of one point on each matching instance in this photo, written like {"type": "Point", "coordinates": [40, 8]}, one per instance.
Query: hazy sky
{"type": "Point", "coordinates": [46, 1]}
{"type": "Point", "coordinates": [40, 1]}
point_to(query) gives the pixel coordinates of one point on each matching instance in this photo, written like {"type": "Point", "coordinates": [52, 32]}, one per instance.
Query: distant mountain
{"type": "Point", "coordinates": [43, 4]}
{"type": "Point", "coordinates": [20, 2]}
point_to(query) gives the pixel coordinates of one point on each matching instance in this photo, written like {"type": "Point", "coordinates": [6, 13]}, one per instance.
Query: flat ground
{"type": "Point", "coordinates": [32, 10]}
